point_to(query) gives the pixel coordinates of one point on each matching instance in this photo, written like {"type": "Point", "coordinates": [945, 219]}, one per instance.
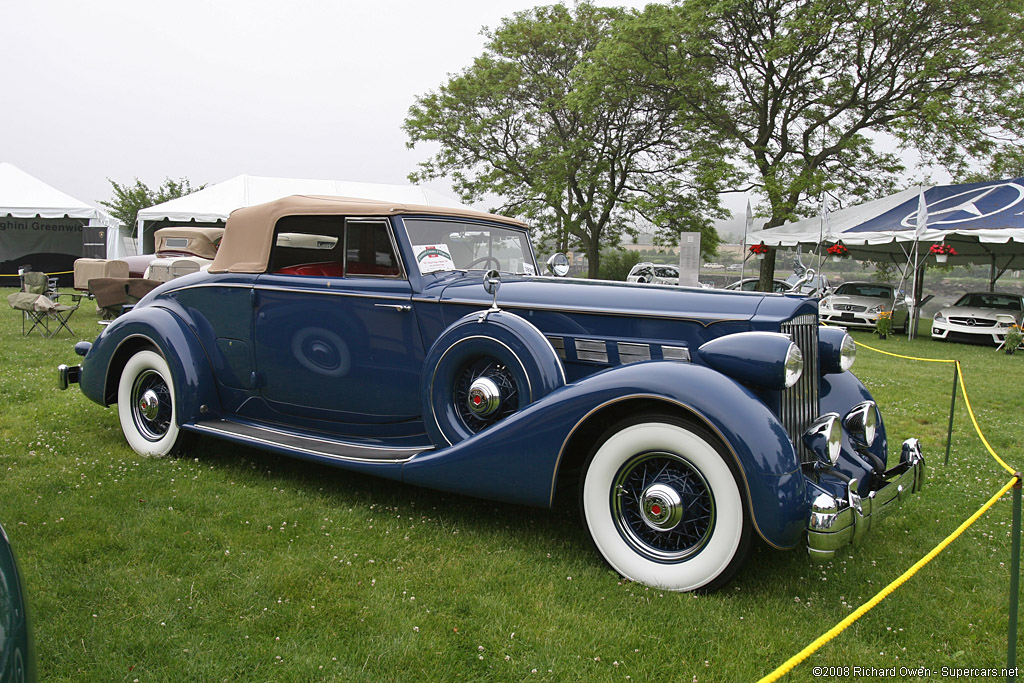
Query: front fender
{"type": "Point", "coordinates": [517, 460]}
{"type": "Point", "coordinates": [158, 327]}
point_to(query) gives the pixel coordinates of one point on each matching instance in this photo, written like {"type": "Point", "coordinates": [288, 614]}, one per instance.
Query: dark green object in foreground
{"type": "Point", "coordinates": [17, 659]}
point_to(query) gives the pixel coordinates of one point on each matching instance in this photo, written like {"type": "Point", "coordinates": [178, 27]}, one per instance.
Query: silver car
{"type": "Point", "coordinates": [857, 304]}
{"type": "Point", "coordinates": [979, 318]}
{"type": "Point", "coordinates": [654, 272]}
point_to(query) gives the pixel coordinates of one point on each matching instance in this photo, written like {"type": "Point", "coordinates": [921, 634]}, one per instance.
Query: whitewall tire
{"type": "Point", "coordinates": [664, 506]}
{"type": "Point", "coordinates": [147, 404]}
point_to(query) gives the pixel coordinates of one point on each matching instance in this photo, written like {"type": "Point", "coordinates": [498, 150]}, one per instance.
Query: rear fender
{"type": "Point", "coordinates": [159, 328]}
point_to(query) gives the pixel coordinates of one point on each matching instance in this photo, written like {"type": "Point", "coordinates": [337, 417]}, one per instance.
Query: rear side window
{"type": "Point", "coordinates": [333, 246]}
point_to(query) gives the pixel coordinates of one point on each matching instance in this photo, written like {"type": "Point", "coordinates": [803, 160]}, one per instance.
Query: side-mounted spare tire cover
{"type": "Point", "coordinates": [482, 369]}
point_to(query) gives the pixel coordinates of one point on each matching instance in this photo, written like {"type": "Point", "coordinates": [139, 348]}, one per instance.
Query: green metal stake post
{"type": "Point", "coordinates": [952, 409]}
{"type": "Point", "coordinates": [1011, 645]}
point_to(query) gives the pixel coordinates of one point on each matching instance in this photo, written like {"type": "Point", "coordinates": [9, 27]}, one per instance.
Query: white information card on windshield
{"type": "Point", "coordinates": [432, 258]}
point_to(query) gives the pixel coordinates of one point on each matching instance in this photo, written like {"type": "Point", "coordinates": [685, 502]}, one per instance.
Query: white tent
{"type": "Point", "coordinates": [211, 205]}
{"type": "Point", "coordinates": [983, 222]}
{"type": "Point", "coordinates": [44, 228]}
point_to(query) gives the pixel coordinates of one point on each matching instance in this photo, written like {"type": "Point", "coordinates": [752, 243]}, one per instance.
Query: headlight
{"type": "Point", "coordinates": [836, 350]}
{"type": "Point", "coordinates": [847, 353]}
{"type": "Point", "coordinates": [794, 365]}
{"type": "Point", "coordinates": [939, 317]}
{"type": "Point", "coordinates": [825, 438]}
{"type": "Point", "coordinates": [862, 423]}
{"type": "Point", "coordinates": [877, 309]}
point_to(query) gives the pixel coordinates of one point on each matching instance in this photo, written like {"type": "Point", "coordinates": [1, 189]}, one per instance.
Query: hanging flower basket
{"type": "Point", "coordinates": [942, 251]}
{"type": "Point", "coordinates": [838, 251]}
{"type": "Point", "coordinates": [759, 250]}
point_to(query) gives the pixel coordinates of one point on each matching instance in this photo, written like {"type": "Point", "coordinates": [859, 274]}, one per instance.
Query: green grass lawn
{"type": "Point", "coordinates": [232, 564]}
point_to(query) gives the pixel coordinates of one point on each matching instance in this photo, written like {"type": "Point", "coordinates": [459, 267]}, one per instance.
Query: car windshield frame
{"type": "Point", "coordinates": [858, 287]}
{"type": "Point", "coordinates": [996, 302]}
{"type": "Point", "coordinates": [455, 243]}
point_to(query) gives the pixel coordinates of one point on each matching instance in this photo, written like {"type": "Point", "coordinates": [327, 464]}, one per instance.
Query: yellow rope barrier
{"type": "Point", "coordinates": [927, 360]}
{"type": "Point", "coordinates": [796, 659]}
{"type": "Point", "coordinates": [970, 411]}
{"type": "Point", "coordinates": [63, 272]}
{"type": "Point", "coordinates": [884, 593]}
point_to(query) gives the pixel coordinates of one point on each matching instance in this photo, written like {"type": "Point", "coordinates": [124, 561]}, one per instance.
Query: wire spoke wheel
{"type": "Point", "coordinates": [663, 506]}
{"type": "Point", "coordinates": [151, 405]}
{"type": "Point", "coordinates": [664, 503]}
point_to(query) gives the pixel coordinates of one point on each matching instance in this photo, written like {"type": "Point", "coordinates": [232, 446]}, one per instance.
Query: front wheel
{"type": "Point", "coordinates": [146, 405]}
{"type": "Point", "coordinates": [664, 506]}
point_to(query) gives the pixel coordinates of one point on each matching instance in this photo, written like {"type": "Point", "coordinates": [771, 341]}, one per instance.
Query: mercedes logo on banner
{"type": "Point", "coordinates": [981, 202]}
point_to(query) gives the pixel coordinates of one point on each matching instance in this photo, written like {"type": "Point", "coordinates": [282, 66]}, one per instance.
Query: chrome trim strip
{"type": "Point", "coordinates": [592, 350]}
{"type": "Point", "coordinates": [555, 309]}
{"type": "Point", "coordinates": [631, 352]}
{"type": "Point", "coordinates": [680, 353]}
{"type": "Point", "coordinates": [282, 432]}
{"type": "Point", "coordinates": [328, 292]}
{"type": "Point", "coordinates": [330, 456]}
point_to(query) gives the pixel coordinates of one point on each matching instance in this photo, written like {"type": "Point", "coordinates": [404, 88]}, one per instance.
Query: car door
{"type": "Point", "coordinates": [336, 336]}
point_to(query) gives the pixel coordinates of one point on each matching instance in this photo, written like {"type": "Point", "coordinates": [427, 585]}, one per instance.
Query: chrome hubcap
{"type": "Point", "coordinates": [149, 405]}
{"type": "Point", "coordinates": [484, 397]}
{"type": "Point", "coordinates": [662, 507]}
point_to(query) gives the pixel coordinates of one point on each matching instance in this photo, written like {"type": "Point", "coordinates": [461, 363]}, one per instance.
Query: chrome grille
{"type": "Point", "coordinates": [972, 322]}
{"type": "Point", "coordinates": [799, 405]}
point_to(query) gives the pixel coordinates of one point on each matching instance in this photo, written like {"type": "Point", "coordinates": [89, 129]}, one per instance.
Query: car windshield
{"type": "Point", "coordinates": [441, 244]}
{"type": "Point", "coordinates": [988, 300]}
{"type": "Point", "coordinates": [865, 289]}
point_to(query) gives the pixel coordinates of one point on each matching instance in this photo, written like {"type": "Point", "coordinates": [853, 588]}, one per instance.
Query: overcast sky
{"type": "Point", "coordinates": [212, 89]}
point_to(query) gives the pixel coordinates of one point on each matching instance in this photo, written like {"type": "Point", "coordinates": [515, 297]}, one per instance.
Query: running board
{"type": "Point", "coordinates": [335, 449]}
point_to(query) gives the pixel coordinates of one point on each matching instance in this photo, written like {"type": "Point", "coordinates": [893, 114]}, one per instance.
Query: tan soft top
{"type": "Point", "coordinates": [250, 231]}
{"type": "Point", "coordinates": [202, 241]}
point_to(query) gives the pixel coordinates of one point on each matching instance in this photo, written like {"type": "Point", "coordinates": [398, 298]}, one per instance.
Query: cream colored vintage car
{"type": "Point", "coordinates": [182, 251]}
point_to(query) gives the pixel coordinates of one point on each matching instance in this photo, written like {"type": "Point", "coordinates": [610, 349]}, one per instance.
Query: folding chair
{"type": "Point", "coordinates": [37, 282]}
{"type": "Point", "coordinates": [41, 311]}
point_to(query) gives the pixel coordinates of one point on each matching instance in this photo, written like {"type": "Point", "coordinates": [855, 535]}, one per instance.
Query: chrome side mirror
{"type": "Point", "coordinates": [492, 283]}
{"type": "Point", "coordinates": [558, 265]}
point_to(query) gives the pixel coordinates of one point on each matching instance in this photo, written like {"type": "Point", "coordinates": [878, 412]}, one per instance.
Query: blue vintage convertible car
{"type": "Point", "coordinates": [422, 344]}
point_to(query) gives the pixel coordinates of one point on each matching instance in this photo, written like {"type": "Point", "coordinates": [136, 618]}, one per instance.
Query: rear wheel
{"type": "Point", "coordinates": [664, 505]}
{"type": "Point", "coordinates": [146, 405]}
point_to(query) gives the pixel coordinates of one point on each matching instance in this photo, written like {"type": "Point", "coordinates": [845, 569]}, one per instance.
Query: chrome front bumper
{"type": "Point", "coordinates": [68, 375]}
{"type": "Point", "coordinates": [836, 522]}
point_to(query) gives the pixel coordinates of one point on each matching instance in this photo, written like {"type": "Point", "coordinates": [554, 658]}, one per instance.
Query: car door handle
{"type": "Point", "coordinates": [397, 307]}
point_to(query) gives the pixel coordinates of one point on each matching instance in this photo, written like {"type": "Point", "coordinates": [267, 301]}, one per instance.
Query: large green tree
{"type": "Point", "coordinates": [815, 92]}
{"type": "Point", "coordinates": [535, 122]}
{"type": "Point", "coordinates": [129, 199]}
